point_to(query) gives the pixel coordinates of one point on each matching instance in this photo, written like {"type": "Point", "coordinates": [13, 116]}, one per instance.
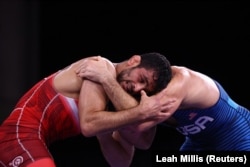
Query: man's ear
{"type": "Point", "coordinates": [134, 60]}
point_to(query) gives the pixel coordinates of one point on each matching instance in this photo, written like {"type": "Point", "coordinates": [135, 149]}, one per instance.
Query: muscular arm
{"type": "Point", "coordinates": [94, 119]}
{"type": "Point", "coordinates": [170, 98]}
{"type": "Point", "coordinates": [121, 100]}
{"type": "Point", "coordinates": [116, 150]}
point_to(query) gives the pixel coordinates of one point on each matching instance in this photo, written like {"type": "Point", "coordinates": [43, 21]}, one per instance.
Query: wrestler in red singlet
{"type": "Point", "coordinates": [44, 114]}
{"type": "Point", "coordinates": [40, 117]}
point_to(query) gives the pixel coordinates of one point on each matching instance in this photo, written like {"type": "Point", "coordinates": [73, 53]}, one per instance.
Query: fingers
{"type": "Point", "coordinates": [143, 93]}
{"type": "Point", "coordinates": [82, 65]}
{"type": "Point", "coordinates": [80, 69]}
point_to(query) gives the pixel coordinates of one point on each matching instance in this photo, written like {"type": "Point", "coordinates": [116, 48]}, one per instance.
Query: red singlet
{"type": "Point", "coordinates": [40, 117]}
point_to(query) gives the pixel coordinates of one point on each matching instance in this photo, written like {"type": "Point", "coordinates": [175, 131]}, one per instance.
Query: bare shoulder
{"type": "Point", "coordinates": [110, 65]}
{"type": "Point", "coordinates": [93, 58]}
{"type": "Point", "coordinates": [198, 86]}
{"type": "Point", "coordinates": [67, 82]}
{"type": "Point", "coordinates": [108, 62]}
{"type": "Point", "coordinates": [191, 76]}
{"type": "Point", "coordinates": [181, 75]}
{"type": "Point", "coordinates": [181, 70]}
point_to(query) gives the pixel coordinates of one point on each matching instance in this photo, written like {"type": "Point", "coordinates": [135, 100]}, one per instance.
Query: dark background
{"type": "Point", "coordinates": [41, 37]}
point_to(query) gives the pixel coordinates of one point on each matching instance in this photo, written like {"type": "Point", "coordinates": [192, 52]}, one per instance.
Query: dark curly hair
{"type": "Point", "coordinates": [160, 65]}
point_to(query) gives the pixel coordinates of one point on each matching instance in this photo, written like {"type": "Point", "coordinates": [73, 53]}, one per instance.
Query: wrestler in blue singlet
{"type": "Point", "coordinates": [214, 128]}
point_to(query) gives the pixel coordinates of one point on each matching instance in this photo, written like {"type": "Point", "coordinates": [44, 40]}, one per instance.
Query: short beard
{"type": "Point", "coordinates": [120, 79]}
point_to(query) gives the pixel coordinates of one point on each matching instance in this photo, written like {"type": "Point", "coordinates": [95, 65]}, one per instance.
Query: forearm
{"type": "Point", "coordinates": [106, 121]}
{"type": "Point", "coordinates": [142, 134]}
{"type": "Point", "coordinates": [119, 97]}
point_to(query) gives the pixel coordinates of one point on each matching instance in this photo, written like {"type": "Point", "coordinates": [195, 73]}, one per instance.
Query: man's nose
{"type": "Point", "coordinates": [139, 87]}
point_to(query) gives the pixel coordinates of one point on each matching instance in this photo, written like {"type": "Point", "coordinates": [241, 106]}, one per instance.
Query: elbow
{"type": "Point", "coordinates": [88, 130]}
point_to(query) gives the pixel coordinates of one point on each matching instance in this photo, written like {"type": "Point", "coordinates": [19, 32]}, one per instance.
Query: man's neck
{"type": "Point", "coordinates": [119, 67]}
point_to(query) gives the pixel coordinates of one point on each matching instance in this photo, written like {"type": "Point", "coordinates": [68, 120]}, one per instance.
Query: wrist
{"type": "Point", "coordinates": [108, 80]}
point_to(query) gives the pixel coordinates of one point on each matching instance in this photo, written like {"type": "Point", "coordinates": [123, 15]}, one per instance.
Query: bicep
{"type": "Point", "coordinates": [92, 98]}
